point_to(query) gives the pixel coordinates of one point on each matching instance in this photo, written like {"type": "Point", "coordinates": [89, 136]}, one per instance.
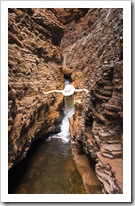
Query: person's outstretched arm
{"type": "Point", "coordinates": [52, 91]}
{"type": "Point", "coordinates": [81, 90]}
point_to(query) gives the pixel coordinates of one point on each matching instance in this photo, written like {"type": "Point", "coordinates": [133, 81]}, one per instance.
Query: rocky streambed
{"type": "Point", "coordinates": [49, 168]}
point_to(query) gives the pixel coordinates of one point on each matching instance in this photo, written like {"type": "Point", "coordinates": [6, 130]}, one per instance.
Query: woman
{"type": "Point", "coordinates": [69, 98]}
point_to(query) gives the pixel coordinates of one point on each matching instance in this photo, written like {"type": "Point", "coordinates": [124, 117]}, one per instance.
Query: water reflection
{"type": "Point", "coordinates": [51, 169]}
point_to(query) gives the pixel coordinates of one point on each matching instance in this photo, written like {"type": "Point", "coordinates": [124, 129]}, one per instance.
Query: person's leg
{"type": "Point", "coordinates": [71, 124]}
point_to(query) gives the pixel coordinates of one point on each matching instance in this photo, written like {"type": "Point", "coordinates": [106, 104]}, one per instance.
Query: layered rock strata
{"type": "Point", "coordinates": [34, 60]}
{"type": "Point", "coordinates": [93, 56]}
{"type": "Point", "coordinates": [93, 50]}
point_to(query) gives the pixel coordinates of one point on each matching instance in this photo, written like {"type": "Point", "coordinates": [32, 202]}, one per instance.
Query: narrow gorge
{"type": "Point", "coordinates": [84, 45]}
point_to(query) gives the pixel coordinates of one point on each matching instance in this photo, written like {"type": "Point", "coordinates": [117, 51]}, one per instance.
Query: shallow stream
{"type": "Point", "coordinates": [48, 169]}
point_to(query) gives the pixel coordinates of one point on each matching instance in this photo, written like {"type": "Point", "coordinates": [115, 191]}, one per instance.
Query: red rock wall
{"type": "Point", "coordinates": [93, 50]}
{"type": "Point", "coordinates": [34, 66]}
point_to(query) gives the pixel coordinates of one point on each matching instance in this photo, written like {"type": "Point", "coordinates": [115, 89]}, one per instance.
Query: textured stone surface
{"type": "Point", "coordinates": [34, 66]}
{"type": "Point", "coordinates": [93, 50]}
{"type": "Point", "coordinates": [67, 15]}
{"type": "Point", "coordinates": [90, 181]}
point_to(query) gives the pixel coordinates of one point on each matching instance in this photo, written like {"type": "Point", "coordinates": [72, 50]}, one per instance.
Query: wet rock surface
{"type": "Point", "coordinates": [93, 50]}
{"type": "Point", "coordinates": [34, 59]}
{"type": "Point", "coordinates": [86, 170]}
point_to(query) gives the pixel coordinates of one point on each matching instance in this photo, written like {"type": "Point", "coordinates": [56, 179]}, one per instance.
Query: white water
{"type": "Point", "coordinates": [64, 135]}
